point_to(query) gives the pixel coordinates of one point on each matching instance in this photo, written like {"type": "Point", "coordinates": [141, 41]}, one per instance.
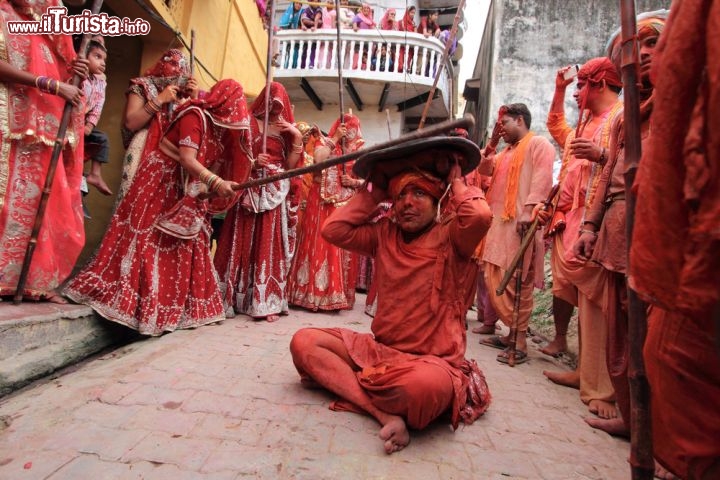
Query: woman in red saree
{"type": "Point", "coordinates": [323, 276]}
{"type": "Point", "coordinates": [153, 271]}
{"type": "Point", "coordinates": [407, 24]}
{"type": "Point", "coordinates": [256, 241]}
{"type": "Point", "coordinates": [32, 98]}
{"type": "Point", "coordinates": [151, 100]}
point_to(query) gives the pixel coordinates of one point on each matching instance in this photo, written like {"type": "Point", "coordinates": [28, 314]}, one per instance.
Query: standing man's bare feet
{"type": "Point", "coordinates": [612, 426]}
{"type": "Point", "coordinates": [603, 409]}
{"type": "Point", "coordinates": [566, 379]}
{"type": "Point", "coordinates": [556, 347]}
{"type": "Point", "coordinates": [98, 182]}
{"type": "Point", "coordinates": [395, 435]}
{"type": "Point", "coordinates": [272, 318]}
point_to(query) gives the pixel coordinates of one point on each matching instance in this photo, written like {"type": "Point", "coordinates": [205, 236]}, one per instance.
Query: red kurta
{"type": "Point", "coordinates": [142, 277]}
{"type": "Point", "coordinates": [423, 288]}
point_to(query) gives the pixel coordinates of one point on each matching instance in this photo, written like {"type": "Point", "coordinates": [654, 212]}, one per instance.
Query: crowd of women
{"type": "Point", "coordinates": [154, 270]}
{"type": "Point", "coordinates": [187, 152]}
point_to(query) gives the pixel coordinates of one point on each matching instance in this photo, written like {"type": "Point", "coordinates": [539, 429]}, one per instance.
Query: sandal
{"type": "Point", "coordinates": [520, 357]}
{"type": "Point", "coordinates": [495, 342]}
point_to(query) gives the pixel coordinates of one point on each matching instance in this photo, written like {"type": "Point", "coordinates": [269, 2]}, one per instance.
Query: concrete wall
{"type": "Point", "coordinates": [533, 38]}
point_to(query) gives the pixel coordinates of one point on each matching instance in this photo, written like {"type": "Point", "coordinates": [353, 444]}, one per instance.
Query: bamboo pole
{"type": "Point", "coordinates": [338, 50]}
{"type": "Point", "coordinates": [441, 66]}
{"type": "Point", "coordinates": [641, 455]}
{"type": "Point", "coordinates": [50, 178]}
{"type": "Point", "coordinates": [268, 73]}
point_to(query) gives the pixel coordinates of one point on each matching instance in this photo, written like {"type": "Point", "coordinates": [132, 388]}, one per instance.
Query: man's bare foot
{"type": "Point", "coordinates": [556, 347]}
{"type": "Point", "coordinates": [603, 409]}
{"type": "Point", "coordinates": [484, 329]}
{"type": "Point", "coordinates": [612, 426]}
{"type": "Point", "coordinates": [272, 318]}
{"type": "Point", "coordinates": [98, 182]}
{"type": "Point", "coordinates": [566, 379]}
{"type": "Point", "coordinates": [395, 434]}
{"type": "Point", "coordinates": [662, 473]}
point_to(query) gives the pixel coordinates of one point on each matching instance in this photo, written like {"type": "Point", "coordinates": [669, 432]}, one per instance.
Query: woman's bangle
{"type": "Point", "coordinates": [583, 230]}
{"type": "Point", "coordinates": [217, 181]}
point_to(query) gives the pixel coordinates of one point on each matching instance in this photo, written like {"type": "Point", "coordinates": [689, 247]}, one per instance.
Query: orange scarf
{"type": "Point", "coordinates": [513, 177]}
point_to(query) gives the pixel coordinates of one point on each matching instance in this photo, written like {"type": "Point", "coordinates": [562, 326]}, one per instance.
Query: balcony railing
{"type": "Point", "coordinates": [386, 56]}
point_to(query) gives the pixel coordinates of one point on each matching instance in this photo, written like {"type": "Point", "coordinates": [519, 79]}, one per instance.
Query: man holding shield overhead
{"type": "Point", "coordinates": [411, 369]}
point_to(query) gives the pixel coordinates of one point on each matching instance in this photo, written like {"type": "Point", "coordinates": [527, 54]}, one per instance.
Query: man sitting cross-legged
{"type": "Point", "coordinates": [411, 369]}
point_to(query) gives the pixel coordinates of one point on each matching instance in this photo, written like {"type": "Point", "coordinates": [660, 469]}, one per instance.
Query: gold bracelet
{"type": "Point", "coordinates": [582, 230]}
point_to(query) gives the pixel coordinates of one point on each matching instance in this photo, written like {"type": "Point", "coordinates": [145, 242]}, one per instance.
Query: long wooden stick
{"type": "Point", "coordinates": [268, 74]}
{"type": "Point", "coordinates": [441, 66]}
{"type": "Point", "coordinates": [525, 243]}
{"type": "Point", "coordinates": [340, 77]}
{"type": "Point", "coordinates": [466, 122]}
{"type": "Point", "coordinates": [192, 52]}
{"type": "Point", "coordinates": [641, 452]}
{"type": "Point", "coordinates": [50, 178]}
{"type": "Point", "coordinates": [512, 342]}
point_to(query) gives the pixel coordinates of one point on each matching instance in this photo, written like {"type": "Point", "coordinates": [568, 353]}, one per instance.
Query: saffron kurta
{"type": "Point", "coordinates": [423, 292]}
{"type": "Point", "coordinates": [503, 241]}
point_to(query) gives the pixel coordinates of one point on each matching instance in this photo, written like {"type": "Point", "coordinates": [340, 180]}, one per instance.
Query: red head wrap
{"type": "Point", "coordinates": [424, 181]}
{"type": "Point", "coordinates": [648, 24]}
{"type": "Point", "coordinates": [598, 69]}
{"type": "Point", "coordinates": [277, 95]}
{"type": "Point", "coordinates": [172, 64]}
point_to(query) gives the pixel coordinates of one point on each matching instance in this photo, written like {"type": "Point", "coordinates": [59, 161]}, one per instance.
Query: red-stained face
{"type": "Point", "coordinates": [414, 209]}
{"type": "Point", "coordinates": [647, 49]}
{"type": "Point", "coordinates": [172, 66]}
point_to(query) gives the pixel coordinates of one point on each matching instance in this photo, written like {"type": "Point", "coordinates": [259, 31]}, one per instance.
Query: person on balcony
{"type": "Point", "coordinates": [407, 24]}
{"type": "Point", "coordinates": [345, 15]}
{"type": "Point", "coordinates": [389, 20]}
{"type": "Point", "coordinates": [429, 25]}
{"type": "Point", "coordinates": [312, 19]}
{"type": "Point", "coordinates": [291, 18]}
{"type": "Point", "coordinates": [364, 18]}
{"type": "Point", "coordinates": [289, 21]}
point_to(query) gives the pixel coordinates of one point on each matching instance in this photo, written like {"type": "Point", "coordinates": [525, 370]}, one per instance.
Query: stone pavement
{"type": "Point", "coordinates": [224, 402]}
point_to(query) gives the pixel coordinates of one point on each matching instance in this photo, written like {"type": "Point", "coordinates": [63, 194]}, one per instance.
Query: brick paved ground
{"type": "Point", "coordinates": [224, 402]}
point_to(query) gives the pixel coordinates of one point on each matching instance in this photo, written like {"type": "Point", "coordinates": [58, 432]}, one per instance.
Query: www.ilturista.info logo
{"type": "Point", "coordinates": [56, 21]}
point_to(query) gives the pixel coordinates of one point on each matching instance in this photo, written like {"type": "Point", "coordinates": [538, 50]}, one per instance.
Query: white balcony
{"type": "Point", "coordinates": [402, 78]}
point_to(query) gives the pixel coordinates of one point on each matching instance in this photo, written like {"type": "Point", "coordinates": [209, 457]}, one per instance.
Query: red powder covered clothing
{"type": "Point", "coordinates": [423, 287]}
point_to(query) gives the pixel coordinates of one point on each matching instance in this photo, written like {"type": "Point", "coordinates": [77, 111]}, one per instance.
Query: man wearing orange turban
{"type": "Point", "coordinates": [411, 369]}
{"type": "Point", "coordinates": [576, 281]}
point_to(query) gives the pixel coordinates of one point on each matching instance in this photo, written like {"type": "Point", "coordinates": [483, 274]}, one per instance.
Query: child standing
{"type": "Point", "coordinates": [96, 142]}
